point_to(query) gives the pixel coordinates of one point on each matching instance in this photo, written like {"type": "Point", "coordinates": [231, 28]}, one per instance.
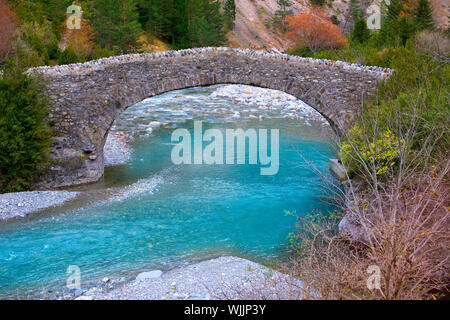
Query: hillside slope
{"type": "Point", "coordinates": [254, 19]}
{"type": "Point", "coordinates": [441, 13]}
{"type": "Point", "coordinates": [253, 27]}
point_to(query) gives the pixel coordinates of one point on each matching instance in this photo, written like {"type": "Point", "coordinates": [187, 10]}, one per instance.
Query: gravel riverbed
{"type": "Point", "coordinates": [21, 204]}
{"type": "Point", "coordinates": [220, 278]}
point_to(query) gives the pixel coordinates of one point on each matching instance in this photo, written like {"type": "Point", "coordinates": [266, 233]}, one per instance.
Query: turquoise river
{"type": "Point", "coordinates": [151, 214]}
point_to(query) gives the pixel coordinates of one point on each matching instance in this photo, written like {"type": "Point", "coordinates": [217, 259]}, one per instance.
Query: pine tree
{"type": "Point", "coordinates": [24, 134]}
{"type": "Point", "coordinates": [361, 32]}
{"type": "Point", "coordinates": [206, 23]}
{"type": "Point", "coordinates": [180, 25]}
{"type": "Point", "coordinates": [393, 10]}
{"type": "Point", "coordinates": [156, 17]}
{"type": "Point", "coordinates": [282, 13]}
{"type": "Point", "coordinates": [355, 13]}
{"type": "Point", "coordinates": [355, 10]}
{"type": "Point", "coordinates": [391, 24]}
{"type": "Point", "coordinates": [116, 23]}
{"type": "Point", "coordinates": [230, 14]}
{"type": "Point", "coordinates": [405, 29]}
{"type": "Point", "coordinates": [423, 15]}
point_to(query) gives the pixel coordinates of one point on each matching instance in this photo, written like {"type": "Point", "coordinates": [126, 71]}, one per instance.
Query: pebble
{"type": "Point", "coordinates": [149, 275]}
{"type": "Point", "coordinates": [116, 150]}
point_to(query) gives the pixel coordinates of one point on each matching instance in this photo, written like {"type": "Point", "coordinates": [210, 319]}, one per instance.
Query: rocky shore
{"type": "Point", "coordinates": [21, 204]}
{"type": "Point", "coordinates": [116, 150]}
{"type": "Point", "coordinates": [219, 278]}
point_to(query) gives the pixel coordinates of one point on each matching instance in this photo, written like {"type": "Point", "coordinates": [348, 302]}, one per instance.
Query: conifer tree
{"type": "Point", "coordinates": [356, 12]}
{"type": "Point", "coordinates": [230, 14]}
{"type": "Point", "coordinates": [361, 32]}
{"type": "Point", "coordinates": [423, 15]}
{"type": "Point", "coordinates": [116, 23]}
{"type": "Point", "coordinates": [393, 10]}
{"type": "Point", "coordinates": [206, 23]}
{"type": "Point", "coordinates": [282, 13]}
{"type": "Point", "coordinates": [179, 25]}
{"type": "Point", "coordinates": [393, 23]}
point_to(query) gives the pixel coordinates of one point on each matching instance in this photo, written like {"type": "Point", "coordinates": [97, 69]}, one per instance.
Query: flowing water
{"type": "Point", "coordinates": [151, 214]}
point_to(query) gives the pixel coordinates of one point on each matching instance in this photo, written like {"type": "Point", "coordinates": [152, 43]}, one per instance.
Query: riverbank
{"type": "Point", "coordinates": [220, 278]}
{"type": "Point", "coordinates": [22, 204]}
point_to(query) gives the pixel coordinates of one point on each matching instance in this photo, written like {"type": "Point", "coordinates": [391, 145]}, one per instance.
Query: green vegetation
{"type": "Point", "coordinates": [419, 86]}
{"type": "Point", "coordinates": [24, 136]}
{"type": "Point", "coordinates": [68, 56]}
{"type": "Point", "coordinates": [382, 153]}
{"type": "Point", "coordinates": [360, 32]}
{"type": "Point", "coordinates": [116, 24]}
{"type": "Point", "coordinates": [111, 27]}
{"type": "Point", "coordinates": [423, 17]}
{"type": "Point", "coordinates": [187, 23]}
{"type": "Point", "coordinates": [280, 15]}
{"type": "Point", "coordinates": [230, 14]}
{"type": "Point", "coordinates": [418, 89]}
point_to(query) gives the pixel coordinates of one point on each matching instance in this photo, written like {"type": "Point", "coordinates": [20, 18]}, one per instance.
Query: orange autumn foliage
{"type": "Point", "coordinates": [315, 31]}
{"type": "Point", "coordinates": [82, 40]}
{"type": "Point", "coordinates": [8, 25]}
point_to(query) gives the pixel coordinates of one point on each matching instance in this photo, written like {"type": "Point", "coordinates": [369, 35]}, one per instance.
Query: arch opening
{"type": "Point", "coordinates": [221, 103]}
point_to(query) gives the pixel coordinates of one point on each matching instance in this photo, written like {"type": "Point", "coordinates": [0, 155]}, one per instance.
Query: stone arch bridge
{"type": "Point", "coordinates": [86, 98]}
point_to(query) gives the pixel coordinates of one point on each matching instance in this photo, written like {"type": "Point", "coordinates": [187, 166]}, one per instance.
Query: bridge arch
{"type": "Point", "coordinates": [87, 98]}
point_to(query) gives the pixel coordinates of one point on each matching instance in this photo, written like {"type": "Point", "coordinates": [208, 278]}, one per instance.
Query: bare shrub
{"type": "Point", "coordinates": [434, 43]}
{"type": "Point", "coordinates": [406, 237]}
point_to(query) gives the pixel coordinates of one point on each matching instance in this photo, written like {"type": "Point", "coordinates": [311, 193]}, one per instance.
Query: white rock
{"type": "Point", "coordinates": [84, 298]}
{"type": "Point", "coordinates": [155, 124]}
{"type": "Point", "coordinates": [149, 275]}
{"type": "Point", "coordinates": [337, 169]}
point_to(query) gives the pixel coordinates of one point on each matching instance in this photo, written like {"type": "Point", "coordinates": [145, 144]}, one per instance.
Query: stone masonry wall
{"type": "Point", "coordinates": [86, 98]}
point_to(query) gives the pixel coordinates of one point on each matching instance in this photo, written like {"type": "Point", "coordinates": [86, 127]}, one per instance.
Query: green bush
{"type": "Point", "coordinates": [53, 50]}
{"type": "Point", "coordinates": [335, 19]}
{"type": "Point", "coordinates": [100, 52]}
{"type": "Point", "coordinates": [415, 96]}
{"type": "Point", "coordinates": [24, 136]}
{"type": "Point", "coordinates": [40, 38]}
{"type": "Point", "coordinates": [68, 56]}
{"type": "Point", "coordinates": [361, 32]}
{"type": "Point", "coordinates": [301, 51]}
{"type": "Point", "coordinates": [380, 153]}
